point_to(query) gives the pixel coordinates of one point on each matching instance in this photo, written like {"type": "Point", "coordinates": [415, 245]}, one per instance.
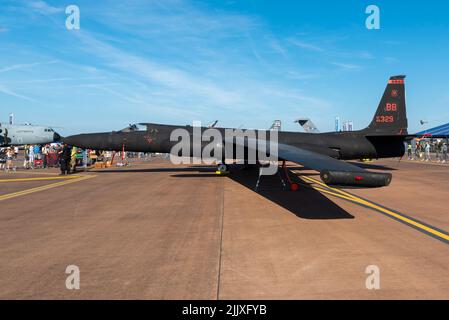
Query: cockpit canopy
{"type": "Point", "coordinates": [135, 127]}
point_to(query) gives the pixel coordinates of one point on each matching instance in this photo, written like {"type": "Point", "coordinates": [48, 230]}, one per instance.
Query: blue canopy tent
{"type": "Point", "coordinates": [437, 132]}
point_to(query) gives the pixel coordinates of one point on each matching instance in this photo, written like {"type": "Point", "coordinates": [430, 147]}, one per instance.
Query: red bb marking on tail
{"type": "Point", "coordinates": [390, 117]}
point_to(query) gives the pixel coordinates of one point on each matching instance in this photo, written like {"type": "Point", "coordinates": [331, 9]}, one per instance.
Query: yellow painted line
{"type": "Point", "coordinates": [41, 178]}
{"type": "Point", "coordinates": [335, 194]}
{"type": "Point", "coordinates": [344, 195]}
{"type": "Point", "coordinates": [331, 188]}
{"type": "Point", "coordinates": [34, 172]}
{"type": "Point", "coordinates": [325, 185]}
{"type": "Point", "coordinates": [42, 188]}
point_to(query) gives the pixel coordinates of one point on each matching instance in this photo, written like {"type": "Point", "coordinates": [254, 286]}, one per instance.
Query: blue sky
{"type": "Point", "coordinates": [243, 62]}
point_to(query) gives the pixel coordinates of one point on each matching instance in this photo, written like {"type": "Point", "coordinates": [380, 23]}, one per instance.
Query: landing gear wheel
{"type": "Point", "coordinates": [293, 185]}
{"type": "Point", "coordinates": [222, 168]}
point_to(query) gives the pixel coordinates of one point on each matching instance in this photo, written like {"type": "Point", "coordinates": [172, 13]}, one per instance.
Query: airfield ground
{"type": "Point", "coordinates": [158, 231]}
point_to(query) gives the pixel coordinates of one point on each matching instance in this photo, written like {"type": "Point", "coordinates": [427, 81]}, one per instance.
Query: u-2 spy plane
{"type": "Point", "coordinates": [383, 138]}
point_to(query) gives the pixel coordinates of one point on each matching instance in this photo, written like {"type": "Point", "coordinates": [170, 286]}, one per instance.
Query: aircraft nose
{"type": "Point", "coordinates": [97, 141]}
{"type": "Point", "coordinates": [56, 137]}
{"type": "Point", "coordinates": [86, 141]}
{"type": "Point", "coordinates": [72, 140]}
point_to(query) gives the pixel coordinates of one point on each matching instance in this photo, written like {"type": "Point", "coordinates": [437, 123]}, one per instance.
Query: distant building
{"type": "Point", "coordinates": [337, 124]}
{"type": "Point", "coordinates": [348, 126]}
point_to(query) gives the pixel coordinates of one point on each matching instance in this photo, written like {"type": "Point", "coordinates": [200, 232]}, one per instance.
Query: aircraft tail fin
{"type": "Point", "coordinates": [391, 116]}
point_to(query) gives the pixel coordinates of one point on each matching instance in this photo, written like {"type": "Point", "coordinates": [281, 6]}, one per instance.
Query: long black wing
{"type": "Point", "coordinates": [314, 160]}
{"type": "Point", "coordinates": [332, 171]}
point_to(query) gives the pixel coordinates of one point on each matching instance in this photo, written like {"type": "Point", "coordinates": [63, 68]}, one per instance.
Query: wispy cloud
{"type": "Point", "coordinates": [365, 55]}
{"type": "Point", "coordinates": [24, 66]}
{"type": "Point", "coordinates": [306, 45]}
{"type": "Point", "coordinates": [184, 88]}
{"type": "Point", "coordinates": [234, 64]}
{"type": "Point", "coordinates": [303, 75]}
{"type": "Point", "coordinates": [174, 78]}
{"type": "Point", "coordinates": [330, 50]}
{"type": "Point", "coordinates": [277, 47]}
{"type": "Point", "coordinates": [9, 92]}
{"type": "Point", "coordinates": [43, 7]}
{"type": "Point", "coordinates": [185, 58]}
{"type": "Point", "coordinates": [346, 66]}
{"type": "Point", "coordinates": [49, 80]}
{"type": "Point", "coordinates": [390, 60]}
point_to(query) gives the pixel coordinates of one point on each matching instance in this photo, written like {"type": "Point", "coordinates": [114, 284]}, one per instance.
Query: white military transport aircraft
{"type": "Point", "coordinates": [20, 134]}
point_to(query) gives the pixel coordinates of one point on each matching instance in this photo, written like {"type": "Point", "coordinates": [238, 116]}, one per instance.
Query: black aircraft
{"type": "Point", "coordinates": [383, 138]}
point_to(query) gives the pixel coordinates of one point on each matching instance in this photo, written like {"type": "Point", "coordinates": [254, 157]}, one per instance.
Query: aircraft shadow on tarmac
{"type": "Point", "coordinates": [305, 203]}
{"type": "Point", "coordinates": [179, 169]}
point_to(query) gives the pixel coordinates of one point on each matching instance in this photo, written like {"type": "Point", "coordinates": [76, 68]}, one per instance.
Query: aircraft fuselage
{"type": "Point", "coordinates": [340, 145]}
{"type": "Point", "coordinates": [12, 134]}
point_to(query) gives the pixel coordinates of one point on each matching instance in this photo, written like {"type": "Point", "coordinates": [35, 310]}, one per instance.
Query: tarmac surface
{"type": "Point", "coordinates": [158, 231]}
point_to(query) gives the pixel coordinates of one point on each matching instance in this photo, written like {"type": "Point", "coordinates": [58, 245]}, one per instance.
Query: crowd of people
{"type": "Point", "coordinates": [424, 149]}
{"type": "Point", "coordinates": [62, 156]}
{"type": "Point", "coordinates": [6, 158]}
{"type": "Point", "coordinates": [65, 157]}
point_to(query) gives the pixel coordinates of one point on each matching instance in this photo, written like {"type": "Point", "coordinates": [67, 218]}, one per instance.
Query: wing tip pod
{"type": "Point", "coordinates": [356, 179]}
